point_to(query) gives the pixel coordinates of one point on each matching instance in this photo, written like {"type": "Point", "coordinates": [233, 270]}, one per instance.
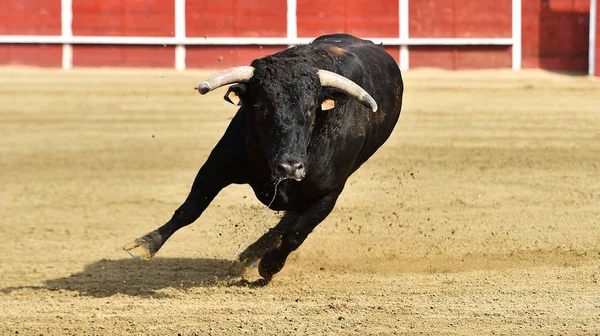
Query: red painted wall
{"type": "Point", "coordinates": [124, 17]}
{"type": "Point", "coordinates": [214, 57]}
{"type": "Point", "coordinates": [126, 56]}
{"type": "Point", "coordinates": [227, 18]}
{"type": "Point", "coordinates": [555, 32]}
{"type": "Point", "coordinates": [357, 17]}
{"type": "Point", "coordinates": [460, 57]}
{"type": "Point", "coordinates": [240, 18]}
{"type": "Point", "coordinates": [30, 17]}
{"type": "Point", "coordinates": [460, 18]}
{"type": "Point", "coordinates": [42, 55]}
{"type": "Point", "coordinates": [363, 18]}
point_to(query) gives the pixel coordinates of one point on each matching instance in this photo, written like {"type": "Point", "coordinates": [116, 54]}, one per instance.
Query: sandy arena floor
{"type": "Point", "coordinates": [480, 215]}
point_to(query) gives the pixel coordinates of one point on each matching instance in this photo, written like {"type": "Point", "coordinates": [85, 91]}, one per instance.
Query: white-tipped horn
{"type": "Point", "coordinates": [227, 76]}
{"type": "Point", "coordinates": [331, 79]}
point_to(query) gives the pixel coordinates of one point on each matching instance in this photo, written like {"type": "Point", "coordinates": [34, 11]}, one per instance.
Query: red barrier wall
{"type": "Point", "coordinates": [227, 18]}
{"type": "Point", "coordinates": [214, 57]}
{"type": "Point", "coordinates": [554, 32]}
{"type": "Point", "coordinates": [357, 17]}
{"type": "Point", "coordinates": [460, 18]}
{"type": "Point", "coordinates": [126, 56]}
{"type": "Point", "coordinates": [123, 17]}
{"type": "Point", "coordinates": [30, 17]}
{"type": "Point", "coordinates": [43, 55]}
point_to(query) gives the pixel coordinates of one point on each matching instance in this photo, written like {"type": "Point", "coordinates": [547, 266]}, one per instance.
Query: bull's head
{"type": "Point", "coordinates": [282, 103]}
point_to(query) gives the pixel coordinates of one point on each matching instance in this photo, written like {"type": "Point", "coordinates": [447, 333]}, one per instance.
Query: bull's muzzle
{"type": "Point", "coordinates": [293, 170]}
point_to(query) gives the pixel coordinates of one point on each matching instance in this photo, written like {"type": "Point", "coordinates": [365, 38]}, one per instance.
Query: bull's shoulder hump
{"type": "Point", "coordinates": [340, 40]}
{"type": "Point", "coordinates": [344, 45]}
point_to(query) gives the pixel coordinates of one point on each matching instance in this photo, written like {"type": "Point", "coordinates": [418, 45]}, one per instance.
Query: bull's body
{"type": "Point", "coordinates": [337, 142]}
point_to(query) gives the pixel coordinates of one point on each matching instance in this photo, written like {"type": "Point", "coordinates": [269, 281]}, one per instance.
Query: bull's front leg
{"type": "Point", "coordinates": [206, 186]}
{"type": "Point", "coordinates": [226, 164]}
{"type": "Point", "coordinates": [294, 235]}
{"type": "Point", "coordinates": [270, 240]}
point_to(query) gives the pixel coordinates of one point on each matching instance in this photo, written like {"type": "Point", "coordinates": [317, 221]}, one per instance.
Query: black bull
{"type": "Point", "coordinates": [305, 124]}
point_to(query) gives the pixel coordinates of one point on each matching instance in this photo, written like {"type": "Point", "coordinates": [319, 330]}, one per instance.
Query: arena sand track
{"type": "Point", "coordinates": [480, 215]}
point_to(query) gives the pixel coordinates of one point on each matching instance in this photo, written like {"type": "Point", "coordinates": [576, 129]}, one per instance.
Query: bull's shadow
{"type": "Point", "coordinates": [105, 278]}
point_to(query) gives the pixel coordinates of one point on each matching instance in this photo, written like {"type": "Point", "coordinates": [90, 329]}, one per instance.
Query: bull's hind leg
{"type": "Point", "coordinates": [268, 241]}
{"type": "Point", "coordinates": [226, 164]}
{"type": "Point", "coordinates": [273, 261]}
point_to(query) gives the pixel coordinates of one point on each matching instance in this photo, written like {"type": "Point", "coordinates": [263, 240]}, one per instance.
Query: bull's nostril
{"type": "Point", "coordinates": [285, 168]}
{"type": "Point", "coordinates": [299, 166]}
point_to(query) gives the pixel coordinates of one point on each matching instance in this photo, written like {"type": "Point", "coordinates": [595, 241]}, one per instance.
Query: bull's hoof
{"type": "Point", "coordinates": [253, 253]}
{"type": "Point", "coordinates": [146, 247]}
{"type": "Point", "coordinates": [249, 259]}
{"type": "Point", "coordinates": [139, 250]}
{"type": "Point", "coordinates": [270, 264]}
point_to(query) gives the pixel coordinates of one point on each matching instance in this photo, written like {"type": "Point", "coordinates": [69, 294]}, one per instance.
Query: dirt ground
{"type": "Point", "coordinates": [480, 215]}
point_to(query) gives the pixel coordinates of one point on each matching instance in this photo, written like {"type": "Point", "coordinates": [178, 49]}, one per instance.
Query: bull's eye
{"type": "Point", "coordinates": [260, 112]}
{"type": "Point", "coordinates": [260, 109]}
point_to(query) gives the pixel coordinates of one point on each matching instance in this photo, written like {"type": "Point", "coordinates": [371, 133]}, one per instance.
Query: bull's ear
{"type": "Point", "coordinates": [332, 97]}
{"type": "Point", "coordinates": [327, 104]}
{"type": "Point", "coordinates": [234, 94]}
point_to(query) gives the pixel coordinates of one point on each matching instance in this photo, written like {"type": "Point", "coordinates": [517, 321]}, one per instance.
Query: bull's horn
{"type": "Point", "coordinates": [332, 79]}
{"type": "Point", "coordinates": [226, 76]}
